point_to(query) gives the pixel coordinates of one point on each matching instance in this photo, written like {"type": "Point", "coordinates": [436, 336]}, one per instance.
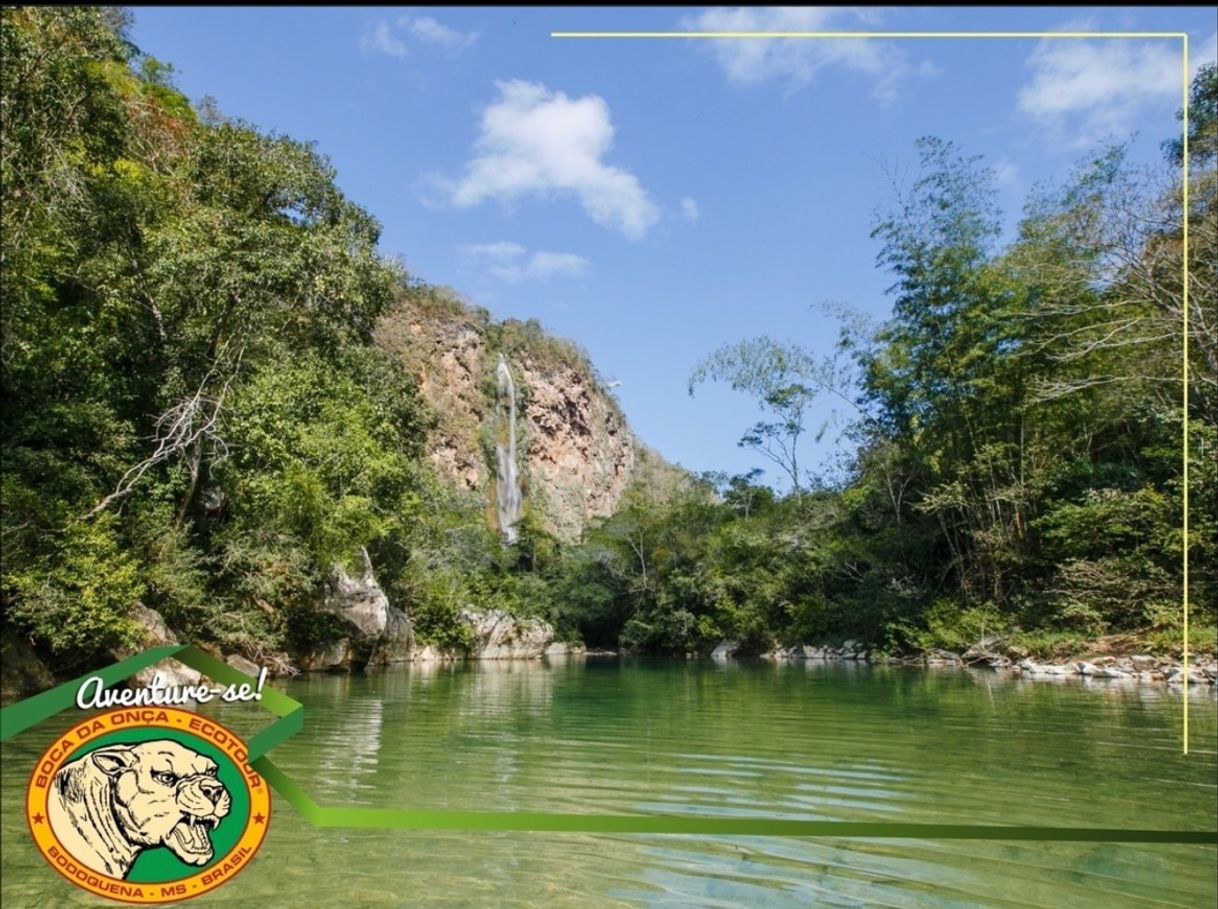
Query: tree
{"type": "Point", "coordinates": [947, 376]}
{"type": "Point", "coordinates": [786, 380]}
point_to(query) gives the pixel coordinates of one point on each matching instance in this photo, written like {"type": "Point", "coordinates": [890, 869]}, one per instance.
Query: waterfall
{"type": "Point", "coordinates": [507, 481]}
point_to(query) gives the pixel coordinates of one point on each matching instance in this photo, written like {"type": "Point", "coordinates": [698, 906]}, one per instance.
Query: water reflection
{"type": "Point", "coordinates": [807, 741]}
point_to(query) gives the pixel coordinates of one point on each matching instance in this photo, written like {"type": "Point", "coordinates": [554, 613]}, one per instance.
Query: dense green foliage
{"type": "Point", "coordinates": [195, 414]}
{"type": "Point", "coordinates": [205, 407]}
{"type": "Point", "coordinates": [1018, 423]}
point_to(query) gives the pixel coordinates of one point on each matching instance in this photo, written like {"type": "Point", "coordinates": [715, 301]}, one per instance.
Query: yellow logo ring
{"type": "Point", "coordinates": [181, 726]}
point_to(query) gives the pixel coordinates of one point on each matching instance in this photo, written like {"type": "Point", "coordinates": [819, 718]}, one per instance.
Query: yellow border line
{"type": "Point", "coordinates": [1183, 36]}
{"type": "Point", "coordinates": [1184, 382]}
{"type": "Point", "coordinates": [773, 35]}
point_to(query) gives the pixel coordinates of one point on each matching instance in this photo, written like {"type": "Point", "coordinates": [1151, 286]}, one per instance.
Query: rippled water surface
{"type": "Point", "coordinates": [816, 742]}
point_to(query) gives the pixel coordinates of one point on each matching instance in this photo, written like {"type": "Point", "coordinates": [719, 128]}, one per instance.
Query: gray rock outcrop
{"type": "Point", "coordinates": [157, 633]}
{"type": "Point", "coordinates": [500, 636]}
{"type": "Point", "coordinates": [372, 632]}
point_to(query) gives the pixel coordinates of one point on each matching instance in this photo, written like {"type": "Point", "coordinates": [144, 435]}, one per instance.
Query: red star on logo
{"type": "Point", "coordinates": [38, 818]}
{"type": "Point", "coordinates": [259, 818]}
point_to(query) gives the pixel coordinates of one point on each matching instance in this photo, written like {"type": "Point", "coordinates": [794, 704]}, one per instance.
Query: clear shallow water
{"type": "Point", "coordinates": [815, 742]}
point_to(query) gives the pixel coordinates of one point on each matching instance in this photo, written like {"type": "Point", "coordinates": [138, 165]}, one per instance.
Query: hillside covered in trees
{"type": "Point", "coordinates": [206, 407]}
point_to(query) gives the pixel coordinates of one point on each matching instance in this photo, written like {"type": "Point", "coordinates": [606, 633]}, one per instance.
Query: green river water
{"type": "Point", "coordinates": [816, 742]}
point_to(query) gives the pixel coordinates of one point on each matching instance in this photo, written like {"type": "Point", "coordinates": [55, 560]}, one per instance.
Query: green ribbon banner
{"type": "Point", "coordinates": [290, 720]}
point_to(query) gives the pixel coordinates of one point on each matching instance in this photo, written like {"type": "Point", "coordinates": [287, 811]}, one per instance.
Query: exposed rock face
{"type": "Point", "coordinates": [374, 633]}
{"type": "Point", "coordinates": [450, 379]}
{"type": "Point", "coordinates": [357, 600]}
{"type": "Point", "coordinates": [396, 643]}
{"type": "Point", "coordinates": [580, 454]}
{"type": "Point", "coordinates": [577, 455]}
{"type": "Point", "coordinates": [499, 636]}
{"type": "Point", "coordinates": [331, 656]}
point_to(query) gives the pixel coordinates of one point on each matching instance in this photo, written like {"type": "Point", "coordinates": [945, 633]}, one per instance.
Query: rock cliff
{"type": "Point", "coordinates": [577, 454]}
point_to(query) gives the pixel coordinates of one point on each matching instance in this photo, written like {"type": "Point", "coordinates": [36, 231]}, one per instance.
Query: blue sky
{"type": "Point", "coordinates": [653, 200]}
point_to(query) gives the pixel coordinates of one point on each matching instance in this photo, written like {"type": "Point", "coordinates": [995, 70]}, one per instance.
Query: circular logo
{"type": "Point", "coordinates": [147, 805]}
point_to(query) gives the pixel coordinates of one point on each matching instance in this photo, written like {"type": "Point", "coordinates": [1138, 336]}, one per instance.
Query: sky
{"type": "Point", "coordinates": [653, 200]}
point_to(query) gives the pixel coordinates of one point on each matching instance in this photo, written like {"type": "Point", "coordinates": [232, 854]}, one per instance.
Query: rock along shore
{"type": "Point", "coordinates": [995, 654]}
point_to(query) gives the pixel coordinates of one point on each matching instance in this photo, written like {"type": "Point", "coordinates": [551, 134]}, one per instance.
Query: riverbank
{"type": "Point", "coordinates": [494, 635]}
{"type": "Point", "coordinates": [1001, 656]}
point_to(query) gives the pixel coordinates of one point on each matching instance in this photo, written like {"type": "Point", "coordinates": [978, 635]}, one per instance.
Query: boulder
{"type": "Point", "coordinates": [433, 654]}
{"type": "Point", "coordinates": [985, 654]}
{"type": "Point", "coordinates": [428, 654]}
{"type": "Point", "coordinates": [22, 673]}
{"type": "Point", "coordinates": [241, 664]}
{"type": "Point", "coordinates": [332, 656]}
{"type": "Point", "coordinates": [357, 600]}
{"type": "Point", "coordinates": [396, 643]}
{"type": "Point", "coordinates": [157, 633]}
{"type": "Point", "coordinates": [723, 650]}
{"type": "Point", "coordinates": [564, 651]}
{"type": "Point", "coordinates": [497, 635]}
{"type": "Point", "coordinates": [942, 658]}
{"type": "Point", "coordinates": [373, 633]}
{"type": "Point", "coordinates": [1059, 670]}
{"type": "Point", "coordinates": [1195, 676]}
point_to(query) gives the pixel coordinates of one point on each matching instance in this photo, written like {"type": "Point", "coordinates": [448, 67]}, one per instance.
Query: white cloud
{"type": "Point", "coordinates": [537, 142]}
{"type": "Point", "coordinates": [1006, 173]}
{"type": "Point", "coordinates": [1086, 90]}
{"type": "Point", "coordinates": [510, 262]}
{"type": "Point", "coordinates": [545, 265]}
{"type": "Point", "coordinates": [392, 39]}
{"type": "Point", "coordinates": [383, 41]}
{"type": "Point", "coordinates": [503, 251]}
{"type": "Point", "coordinates": [1207, 52]}
{"type": "Point", "coordinates": [797, 60]}
{"type": "Point", "coordinates": [429, 30]}
{"type": "Point", "coordinates": [690, 210]}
